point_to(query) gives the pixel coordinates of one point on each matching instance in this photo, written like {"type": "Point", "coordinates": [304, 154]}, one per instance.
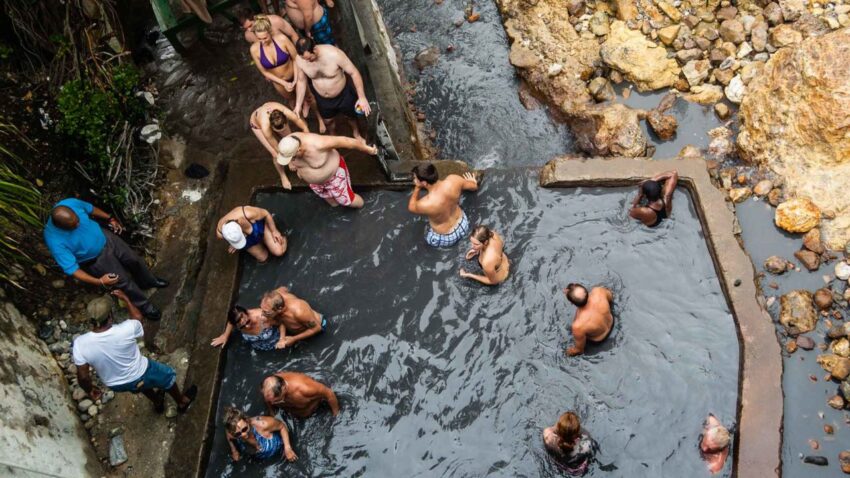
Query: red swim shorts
{"type": "Point", "coordinates": [337, 187]}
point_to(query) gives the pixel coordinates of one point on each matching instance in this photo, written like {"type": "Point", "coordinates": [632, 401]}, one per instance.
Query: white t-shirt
{"type": "Point", "coordinates": [114, 353]}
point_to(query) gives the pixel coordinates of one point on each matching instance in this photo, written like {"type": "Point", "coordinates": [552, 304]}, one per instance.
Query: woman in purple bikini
{"type": "Point", "coordinates": [273, 55]}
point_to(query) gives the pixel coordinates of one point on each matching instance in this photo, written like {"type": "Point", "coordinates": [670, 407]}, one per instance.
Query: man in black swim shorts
{"type": "Point", "coordinates": [334, 81]}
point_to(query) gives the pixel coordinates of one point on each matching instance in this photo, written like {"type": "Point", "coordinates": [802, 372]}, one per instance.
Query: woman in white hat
{"type": "Point", "coordinates": [253, 230]}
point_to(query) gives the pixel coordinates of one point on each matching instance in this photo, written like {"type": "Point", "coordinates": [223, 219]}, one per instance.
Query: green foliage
{"type": "Point", "coordinates": [20, 203]}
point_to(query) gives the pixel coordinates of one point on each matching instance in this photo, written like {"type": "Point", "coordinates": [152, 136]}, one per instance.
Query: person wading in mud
{"type": "Point", "coordinates": [593, 320]}
{"type": "Point", "coordinates": [297, 394]}
{"type": "Point", "coordinates": [447, 223]}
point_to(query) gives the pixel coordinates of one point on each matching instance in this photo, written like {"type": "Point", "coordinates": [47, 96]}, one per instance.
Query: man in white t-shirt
{"type": "Point", "coordinates": [114, 354]}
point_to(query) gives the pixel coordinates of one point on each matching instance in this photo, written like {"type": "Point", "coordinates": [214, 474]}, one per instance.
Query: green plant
{"type": "Point", "coordinates": [20, 203]}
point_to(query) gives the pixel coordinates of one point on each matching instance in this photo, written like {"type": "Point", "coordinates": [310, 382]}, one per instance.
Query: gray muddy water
{"type": "Point", "coordinates": [440, 376]}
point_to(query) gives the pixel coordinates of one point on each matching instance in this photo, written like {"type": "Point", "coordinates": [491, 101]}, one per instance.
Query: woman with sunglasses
{"type": "Point", "coordinates": [255, 328]}
{"type": "Point", "coordinates": [261, 437]}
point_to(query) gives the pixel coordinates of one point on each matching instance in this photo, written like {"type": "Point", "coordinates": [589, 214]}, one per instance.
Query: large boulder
{"type": "Point", "coordinates": [797, 312]}
{"type": "Point", "coordinates": [642, 61]}
{"type": "Point", "coordinates": [797, 215]}
{"type": "Point", "coordinates": [609, 130]}
{"type": "Point", "coordinates": [795, 119]}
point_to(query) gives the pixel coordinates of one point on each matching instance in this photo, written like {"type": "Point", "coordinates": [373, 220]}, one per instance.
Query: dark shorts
{"type": "Point", "coordinates": [342, 104]}
{"type": "Point", "coordinates": [157, 375]}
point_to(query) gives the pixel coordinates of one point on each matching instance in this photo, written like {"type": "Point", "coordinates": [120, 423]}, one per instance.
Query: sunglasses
{"type": "Point", "coordinates": [244, 430]}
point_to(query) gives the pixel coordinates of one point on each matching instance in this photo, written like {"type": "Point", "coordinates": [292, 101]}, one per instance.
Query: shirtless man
{"type": "Point", "coordinates": [280, 26]}
{"type": "Point", "coordinates": [315, 159]}
{"type": "Point", "coordinates": [299, 319]}
{"type": "Point", "coordinates": [593, 319]}
{"type": "Point", "coordinates": [297, 394]}
{"type": "Point", "coordinates": [334, 81]}
{"type": "Point", "coordinates": [270, 123]}
{"type": "Point", "coordinates": [312, 19]}
{"type": "Point", "coordinates": [714, 445]}
{"type": "Point", "coordinates": [448, 223]}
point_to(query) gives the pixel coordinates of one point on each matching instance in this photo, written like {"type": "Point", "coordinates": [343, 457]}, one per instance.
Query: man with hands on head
{"type": "Point", "coordinates": [447, 223]}
{"type": "Point", "coordinates": [97, 256]}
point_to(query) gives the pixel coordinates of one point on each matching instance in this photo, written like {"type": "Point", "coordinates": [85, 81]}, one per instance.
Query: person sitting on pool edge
{"type": "Point", "coordinates": [489, 247]}
{"type": "Point", "coordinates": [714, 444]}
{"type": "Point", "coordinates": [658, 192]}
{"type": "Point", "coordinates": [253, 230]}
{"type": "Point", "coordinates": [261, 333]}
{"type": "Point", "coordinates": [571, 446]}
{"type": "Point", "coordinates": [447, 223]}
{"type": "Point", "coordinates": [261, 437]}
{"type": "Point", "coordinates": [293, 315]}
{"type": "Point", "coordinates": [296, 394]}
{"type": "Point", "coordinates": [593, 320]}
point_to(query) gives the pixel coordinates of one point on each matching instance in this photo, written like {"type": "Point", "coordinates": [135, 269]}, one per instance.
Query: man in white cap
{"type": "Point", "coordinates": [253, 230]}
{"type": "Point", "coordinates": [315, 160]}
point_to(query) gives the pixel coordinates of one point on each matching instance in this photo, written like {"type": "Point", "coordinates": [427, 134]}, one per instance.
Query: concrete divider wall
{"type": "Point", "coordinates": [40, 435]}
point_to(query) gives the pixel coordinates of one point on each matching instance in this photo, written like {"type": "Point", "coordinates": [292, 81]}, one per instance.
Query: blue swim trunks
{"type": "Point", "coordinates": [321, 30]}
{"type": "Point", "coordinates": [157, 375]}
{"type": "Point", "coordinates": [451, 238]}
{"type": "Point", "coordinates": [324, 324]}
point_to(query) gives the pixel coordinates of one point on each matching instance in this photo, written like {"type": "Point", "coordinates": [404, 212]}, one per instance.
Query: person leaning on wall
{"type": "Point", "coordinates": [93, 254]}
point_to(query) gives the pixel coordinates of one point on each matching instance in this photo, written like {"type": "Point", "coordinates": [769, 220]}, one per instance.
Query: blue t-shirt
{"type": "Point", "coordinates": [84, 243]}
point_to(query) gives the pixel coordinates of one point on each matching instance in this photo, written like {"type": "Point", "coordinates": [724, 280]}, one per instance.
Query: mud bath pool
{"type": "Point", "coordinates": [440, 376]}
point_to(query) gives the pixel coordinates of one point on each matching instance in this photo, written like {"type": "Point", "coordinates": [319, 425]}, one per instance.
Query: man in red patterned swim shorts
{"type": "Point", "coordinates": [315, 159]}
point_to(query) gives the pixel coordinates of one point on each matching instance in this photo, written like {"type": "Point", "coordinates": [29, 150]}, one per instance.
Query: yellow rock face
{"type": "Point", "coordinates": [797, 215]}
{"type": "Point", "coordinates": [643, 62]}
{"type": "Point", "coordinates": [795, 120]}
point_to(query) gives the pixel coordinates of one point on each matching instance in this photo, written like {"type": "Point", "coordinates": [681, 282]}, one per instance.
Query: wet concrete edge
{"type": "Point", "coordinates": [760, 401]}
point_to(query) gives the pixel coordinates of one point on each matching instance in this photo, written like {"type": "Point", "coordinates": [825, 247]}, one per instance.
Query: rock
{"type": "Point", "coordinates": [828, 429]}
{"type": "Point", "coordinates": [78, 394]}
{"type": "Point", "coordinates": [759, 35]}
{"type": "Point", "coordinates": [724, 77]}
{"type": "Point", "coordinates": [689, 151]}
{"type": "Point", "coordinates": [797, 215]}
{"type": "Point", "coordinates": [663, 125]}
{"type": "Point", "coordinates": [812, 242]}
{"type": "Point", "coordinates": [668, 34]}
{"type": "Point", "coordinates": [797, 314]}
{"type": "Point", "coordinates": [732, 31]}
{"type": "Point", "coordinates": [171, 411]}
{"type": "Point", "coordinates": [785, 35]}
{"type": "Point", "coordinates": [689, 54]}
{"type": "Point", "coordinates": [763, 187]}
{"type": "Point", "coordinates": [845, 389]}
{"type": "Point", "coordinates": [107, 397]}
{"type": "Point", "coordinates": [726, 13]}
{"type": "Point", "coordinates": [575, 7]}
{"type": "Point", "coordinates": [117, 452]}
{"type": "Point", "coordinates": [721, 110]}
{"type": "Point", "coordinates": [696, 71]}
{"type": "Point", "coordinates": [805, 343]}
{"type": "Point", "coordinates": [735, 90]}
{"type": "Point", "coordinates": [92, 411]}
{"type": "Point", "coordinates": [838, 331]}
{"type": "Point", "coordinates": [57, 284]}
{"type": "Point", "coordinates": [840, 347]}
{"type": "Point", "coordinates": [599, 24]}
{"type": "Point", "coordinates": [669, 10]}
{"type": "Point", "coordinates": [721, 144]}
{"type": "Point", "coordinates": [744, 51]}
{"type": "Point", "coordinates": [739, 195]}
{"type": "Point", "coordinates": [823, 299]}
{"type": "Point", "coordinates": [151, 133]}
{"type": "Point", "coordinates": [842, 271]}
{"type": "Point", "coordinates": [522, 57]}
{"type": "Point", "coordinates": [838, 367]}
{"type": "Point", "coordinates": [84, 405]}
{"type": "Point", "coordinates": [791, 346]}
{"type": "Point", "coordinates": [775, 197]}
{"type": "Point", "coordinates": [59, 347]}
{"type": "Point", "coordinates": [816, 460]}
{"type": "Point", "coordinates": [791, 9]}
{"type": "Point", "coordinates": [810, 260]}
{"type": "Point", "coordinates": [705, 94]}
{"type": "Point", "coordinates": [773, 13]}
{"type": "Point", "coordinates": [642, 61]}
{"type": "Point", "coordinates": [601, 90]}
{"type": "Point", "coordinates": [844, 461]}
{"type": "Point", "coordinates": [836, 402]}
{"type": "Point", "coordinates": [626, 9]}
{"type": "Point", "coordinates": [776, 265]}
{"type": "Point", "coordinates": [554, 69]}
{"type": "Point", "coordinates": [427, 57]}
{"type": "Point", "coordinates": [609, 130]}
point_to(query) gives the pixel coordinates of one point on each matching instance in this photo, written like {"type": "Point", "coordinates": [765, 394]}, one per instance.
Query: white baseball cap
{"type": "Point", "coordinates": [287, 148]}
{"type": "Point", "coordinates": [232, 233]}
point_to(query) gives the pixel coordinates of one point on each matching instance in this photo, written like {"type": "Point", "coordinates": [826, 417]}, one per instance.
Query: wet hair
{"type": "Point", "coordinates": [232, 417]}
{"type": "Point", "coordinates": [568, 429]}
{"type": "Point", "coordinates": [277, 119]}
{"type": "Point", "coordinates": [276, 299]}
{"type": "Point", "coordinates": [277, 384]}
{"type": "Point", "coordinates": [577, 294]}
{"type": "Point", "coordinates": [305, 44]}
{"type": "Point", "coordinates": [233, 313]}
{"type": "Point", "coordinates": [718, 436]}
{"type": "Point", "coordinates": [244, 14]}
{"type": "Point", "coordinates": [262, 24]}
{"type": "Point", "coordinates": [481, 234]}
{"type": "Point", "coordinates": [652, 190]}
{"type": "Point", "coordinates": [426, 172]}
{"type": "Point", "coordinates": [63, 217]}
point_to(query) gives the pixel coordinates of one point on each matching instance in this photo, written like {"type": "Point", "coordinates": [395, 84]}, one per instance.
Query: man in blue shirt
{"type": "Point", "coordinates": [94, 255]}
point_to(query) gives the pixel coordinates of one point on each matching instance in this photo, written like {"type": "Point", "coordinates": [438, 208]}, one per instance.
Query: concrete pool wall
{"type": "Point", "coordinates": [758, 434]}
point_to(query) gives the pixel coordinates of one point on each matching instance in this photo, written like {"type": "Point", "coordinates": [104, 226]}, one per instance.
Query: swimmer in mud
{"type": "Point", "coordinates": [447, 223]}
{"type": "Point", "coordinates": [489, 248]}
{"type": "Point", "coordinates": [593, 320]}
{"type": "Point", "coordinates": [654, 200]}
{"type": "Point", "coordinates": [281, 307]}
{"type": "Point", "coordinates": [297, 394]}
{"type": "Point", "coordinates": [714, 444]}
